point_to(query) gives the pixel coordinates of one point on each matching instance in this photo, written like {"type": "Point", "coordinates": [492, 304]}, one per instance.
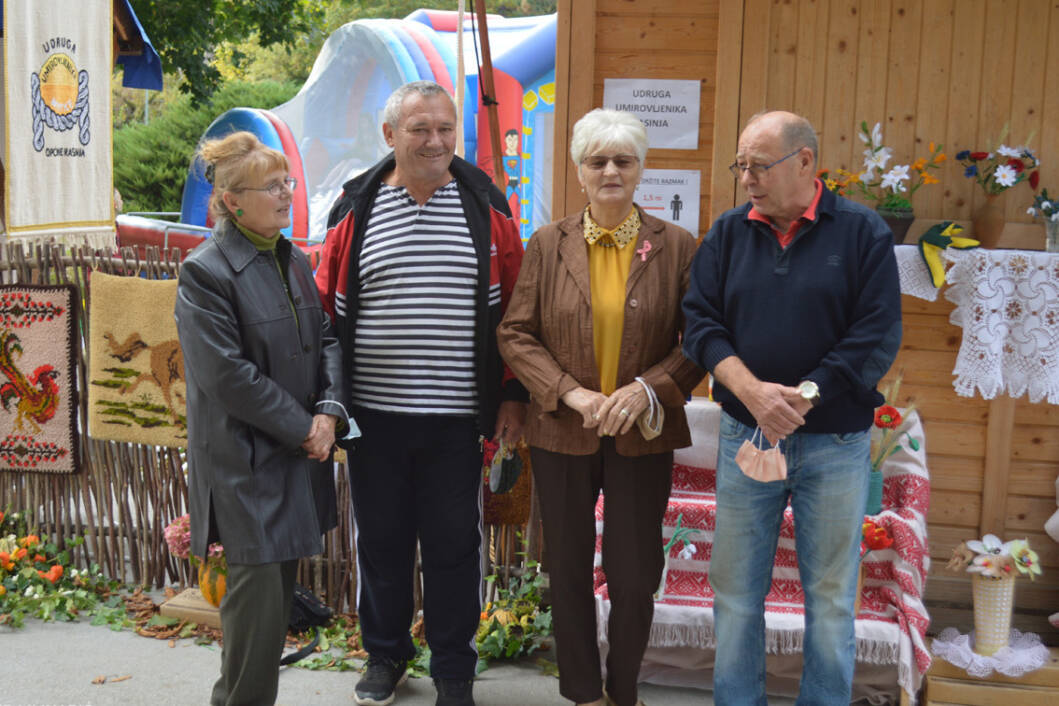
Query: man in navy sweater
{"type": "Point", "coordinates": [795, 307]}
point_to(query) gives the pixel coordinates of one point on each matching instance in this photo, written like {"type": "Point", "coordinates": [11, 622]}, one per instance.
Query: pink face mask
{"type": "Point", "coordinates": [761, 465]}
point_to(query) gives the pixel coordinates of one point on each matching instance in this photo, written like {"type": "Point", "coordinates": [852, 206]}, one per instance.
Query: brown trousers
{"type": "Point", "coordinates": [637, 491]}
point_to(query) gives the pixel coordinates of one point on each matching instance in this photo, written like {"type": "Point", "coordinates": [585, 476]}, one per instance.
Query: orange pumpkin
{"type": "Point", "coordinates": [212, 581]}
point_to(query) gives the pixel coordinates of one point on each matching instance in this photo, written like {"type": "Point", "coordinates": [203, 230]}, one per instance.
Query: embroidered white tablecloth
{"type": "Point", "coordinates": [1007, 302]}
{"type": "Point", "coordinates": [891, 625]}
{"type": "Point", "coordinates": [913, 273]}
{"type": "Point", "coordinates": [1024, 653]}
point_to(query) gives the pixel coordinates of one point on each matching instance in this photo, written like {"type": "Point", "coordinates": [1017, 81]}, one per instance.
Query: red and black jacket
{"type": "Point", "coordinates": [499, 249]}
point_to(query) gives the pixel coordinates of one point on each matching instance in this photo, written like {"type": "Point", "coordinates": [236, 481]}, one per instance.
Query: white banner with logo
{"type": "Point", "coordinates": [58, 172]}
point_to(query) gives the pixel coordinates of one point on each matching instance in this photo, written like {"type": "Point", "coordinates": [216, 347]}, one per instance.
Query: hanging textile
{"type": "Point", "coordinates": [58, 173]}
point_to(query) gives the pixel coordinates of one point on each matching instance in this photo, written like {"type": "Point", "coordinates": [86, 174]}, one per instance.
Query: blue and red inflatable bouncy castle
{"type": "Point", "coordinates": [332, 130]}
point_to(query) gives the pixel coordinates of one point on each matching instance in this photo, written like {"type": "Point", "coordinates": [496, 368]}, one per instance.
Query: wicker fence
{"type": "Point", "coordinates": [126, 494]}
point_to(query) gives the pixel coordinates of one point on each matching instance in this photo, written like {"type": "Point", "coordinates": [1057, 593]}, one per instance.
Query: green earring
{"type": "Point", "coordinates": [239, 212]}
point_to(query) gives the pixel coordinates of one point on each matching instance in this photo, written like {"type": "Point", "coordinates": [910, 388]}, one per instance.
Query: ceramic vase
{"type": "Point", "coordinates": [988, 222]}
{"type": "Point", "coordinates": [899, 221]}
{"type": "Point", "coordinates": [875, 486]}
{"type": "Point", "coordinates": [1051, 236]}
{"type": "Point", "coordinates": [993, 601]}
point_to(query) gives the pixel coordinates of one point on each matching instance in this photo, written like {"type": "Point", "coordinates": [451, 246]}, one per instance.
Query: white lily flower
{"type": "Point", "coordinates": [1046, 205]}
{"type": "Point", "coordinates": [876, 135]}
{"type": "Point", "coordinates": [1015, 152]}
{"type": "Point", "coordinates": [876, 159]}
{"type": "Point", "coordinates": [894, 178]}
{"type": "Point", "coordinates": [1031, 211]}
{"type": "Point", "coordinates": [688, 552]}
{"type": "Point", "coordinates": [1005, 175]}
{"type": "Point", "coordinates": [1054, 217]}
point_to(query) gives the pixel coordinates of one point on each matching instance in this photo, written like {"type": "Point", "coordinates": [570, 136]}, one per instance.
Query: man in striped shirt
{"type": "Point", "coordinates": [420, 260]}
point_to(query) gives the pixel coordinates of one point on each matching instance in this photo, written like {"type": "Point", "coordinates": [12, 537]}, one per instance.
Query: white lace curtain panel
{"type": "Point", "coordinates": [1007, 303]}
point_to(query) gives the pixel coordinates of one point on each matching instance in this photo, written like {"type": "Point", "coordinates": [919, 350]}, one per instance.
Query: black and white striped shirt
{"type": "Point", "coordinates": [414, 347]}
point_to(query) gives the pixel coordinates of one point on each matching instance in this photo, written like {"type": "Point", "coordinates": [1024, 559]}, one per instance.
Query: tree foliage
{"type": "Point", "coordinates": [151, 161]}
{"type": "Point", "coordinates": [187, 32]}
{"type": "Point", "coordinates": [274, 40]}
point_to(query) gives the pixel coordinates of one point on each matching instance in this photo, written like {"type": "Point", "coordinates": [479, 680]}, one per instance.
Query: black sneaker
{"type": "Point", "coordinates": [381, 678]}
{"type": "Point", "coordinates": [454, 692]}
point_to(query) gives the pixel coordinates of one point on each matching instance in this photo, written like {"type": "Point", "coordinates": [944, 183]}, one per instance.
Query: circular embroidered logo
{"type": "Point", "coordinates": [58, 84]}
{"type": "Point", "coordinates": [59, 99]}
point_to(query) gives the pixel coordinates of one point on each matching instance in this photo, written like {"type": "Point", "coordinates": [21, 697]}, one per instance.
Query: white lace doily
{"type": "Point", "coordinates": [1023, 654]}
{"type": "Point", "coordinates": [913, 273]}
{"type": "Point", "coordinates": [1007, 302]}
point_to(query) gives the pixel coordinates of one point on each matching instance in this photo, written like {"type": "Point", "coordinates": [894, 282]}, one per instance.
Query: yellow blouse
{"type": "Point", "coordinates": [609, 257]}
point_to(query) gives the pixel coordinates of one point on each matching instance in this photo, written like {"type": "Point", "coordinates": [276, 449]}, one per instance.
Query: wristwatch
{"type": "Point", "coordinates": [809, 391]}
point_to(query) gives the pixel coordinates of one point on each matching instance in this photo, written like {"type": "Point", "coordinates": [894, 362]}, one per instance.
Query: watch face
{"type": "Point", "coordinates": [809, 390]}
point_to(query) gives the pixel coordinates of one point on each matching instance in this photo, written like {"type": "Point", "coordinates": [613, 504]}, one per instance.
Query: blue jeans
{"type": "Point", "coordinates": [827, 486]}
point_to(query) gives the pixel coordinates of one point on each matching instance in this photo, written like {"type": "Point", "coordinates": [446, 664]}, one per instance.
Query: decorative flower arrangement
{"type": "Point", "coordinates": [891, 427]}
{"type": "Point", "coordinates": [37, 580]}
{"type": "Point", "coordinates": [889, 190]}
{"type": "Point", "coordinates": [995, 559]}
{"type": "Point", "coordinates": [515, 624]}
{"type": "Point", "coordinates": [1000, 169]}
{"type": "Point", "coordinates": [874, 536]}
{"type": "Point", "coordinates": [680, 534]}
{"type": "Point", "coordinates": [1044, 207]}
{"type": "Point", "coordinates": [178, 539]}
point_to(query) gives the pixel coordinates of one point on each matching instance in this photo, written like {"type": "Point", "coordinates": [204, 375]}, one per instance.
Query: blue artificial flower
{"type": "Point", "coordinates": [971, 171]}
{"type": "Point", "coordinates": [963, 155]}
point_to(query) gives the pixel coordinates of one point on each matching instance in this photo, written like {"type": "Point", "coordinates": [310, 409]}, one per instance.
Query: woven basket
{"type": "Point", "coordinates": [993, 601]}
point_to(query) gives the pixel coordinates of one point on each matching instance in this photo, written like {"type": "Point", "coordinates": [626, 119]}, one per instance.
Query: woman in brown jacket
{"type": "Point", "coordinates": [592, 331]}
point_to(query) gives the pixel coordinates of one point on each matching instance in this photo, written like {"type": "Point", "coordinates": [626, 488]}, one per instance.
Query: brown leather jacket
{"type": "Point", "coordinates": [546, 334]}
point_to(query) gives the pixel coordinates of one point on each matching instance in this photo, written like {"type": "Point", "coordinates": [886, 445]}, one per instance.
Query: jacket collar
{"type": "Point", "coordinates": [237, 248]}
{"type": "Point", "coordinates": [827, 205]}
{"type": "Point", "coordinates": [574, 253]}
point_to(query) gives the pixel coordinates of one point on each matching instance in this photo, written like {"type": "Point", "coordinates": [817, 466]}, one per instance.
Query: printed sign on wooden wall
{"type": "Point", "coordinates": [672, 195]}
{"type": "Point", "coordinates": [668, 107]}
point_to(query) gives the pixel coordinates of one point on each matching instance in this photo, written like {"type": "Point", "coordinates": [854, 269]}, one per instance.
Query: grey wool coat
{"type": "Point", "coordinates": [255, 378]}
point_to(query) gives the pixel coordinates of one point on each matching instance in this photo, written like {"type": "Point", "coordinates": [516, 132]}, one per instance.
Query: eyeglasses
{"type": "Point", "coordinates": [598, 163]}
{"type": "Point", "coordinates": [276, 188]}
{"type": "Point", "coordinates": [757, 170]}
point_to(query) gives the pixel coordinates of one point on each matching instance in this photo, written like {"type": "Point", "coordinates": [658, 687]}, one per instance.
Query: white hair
{"type": "Point", "coordinates": [603, 127]}
{"type": "Point", "coordinates": [391, 114]}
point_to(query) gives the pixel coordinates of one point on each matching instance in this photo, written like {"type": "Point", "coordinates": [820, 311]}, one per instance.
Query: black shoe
{"type": "Point", "coordinates": [381, 678]}
{"type": "Point", "coordinates": [454, 692]}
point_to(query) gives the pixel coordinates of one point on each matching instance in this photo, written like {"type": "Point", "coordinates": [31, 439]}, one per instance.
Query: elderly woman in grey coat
{"type": "Point", "coordinates": [264, 384]}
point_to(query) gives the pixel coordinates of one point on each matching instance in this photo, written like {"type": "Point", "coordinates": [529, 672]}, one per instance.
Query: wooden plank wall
{"type": "Point", "coordinates": [949, 71]}
{"type": "Point", "coordinates": [953, 72]}
{"type": "Point", "coordinates": [625, 39]}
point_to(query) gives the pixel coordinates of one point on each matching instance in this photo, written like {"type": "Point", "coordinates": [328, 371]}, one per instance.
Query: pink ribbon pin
{"type": "Point", "coordinates": [644, 249]}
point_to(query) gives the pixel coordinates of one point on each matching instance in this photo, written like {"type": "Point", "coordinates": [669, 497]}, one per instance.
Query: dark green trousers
{"type": "Point", "coordinates": [255, 612]}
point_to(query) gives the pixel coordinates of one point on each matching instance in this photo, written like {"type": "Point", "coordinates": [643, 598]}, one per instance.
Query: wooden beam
{"type": "Point", "coordinates": [726, 106]}
{"type": "Point", "coordinates": [575, 64]}
{"type": "Point", "coordinates": [997, 465]}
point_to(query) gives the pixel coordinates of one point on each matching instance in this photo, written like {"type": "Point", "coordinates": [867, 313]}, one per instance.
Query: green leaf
{"type": "Point", "coordinates": [161, 620]}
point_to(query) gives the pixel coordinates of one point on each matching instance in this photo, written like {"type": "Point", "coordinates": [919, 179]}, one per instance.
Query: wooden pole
{"type": "Point", "coordinates": [485, 75]}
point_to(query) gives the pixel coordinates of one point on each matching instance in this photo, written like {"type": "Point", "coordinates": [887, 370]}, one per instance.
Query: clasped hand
{"type": "Point", "coordinates": [321, 437]}
{"type": "Point", "coordinates": [778, 409]}
{"type": "Point", "coordinates": [609, 415]}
